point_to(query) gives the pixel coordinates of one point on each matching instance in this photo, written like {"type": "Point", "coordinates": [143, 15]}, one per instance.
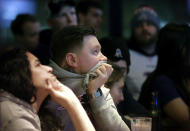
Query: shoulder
{"type": "Point", "coordinates": [14, 116]}
{"type": "Point", "coordinates": [164, 81]}
{"type": "Point", "coordinates": [167, 89]}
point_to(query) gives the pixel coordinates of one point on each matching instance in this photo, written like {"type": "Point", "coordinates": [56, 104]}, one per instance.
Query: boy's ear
{"type": "Point", "coordinates": [71, 59]}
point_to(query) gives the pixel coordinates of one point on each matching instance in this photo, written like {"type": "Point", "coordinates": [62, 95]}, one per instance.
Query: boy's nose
{"type": "Point", "coordinates": [103, 58]}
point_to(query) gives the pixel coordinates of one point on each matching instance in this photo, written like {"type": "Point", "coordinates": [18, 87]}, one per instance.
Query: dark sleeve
{"type": "Point", "coordinates": [130, 105]}
{"type": "Point", "coordinates": [167, 89]}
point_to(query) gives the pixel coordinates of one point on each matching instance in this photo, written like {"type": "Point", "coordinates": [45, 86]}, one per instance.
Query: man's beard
{"type": "Point", "coordinates": [146, 41]}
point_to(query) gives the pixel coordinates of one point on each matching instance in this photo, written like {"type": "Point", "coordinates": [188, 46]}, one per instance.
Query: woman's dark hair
{"type": "Point", "coordinates": [173, 48]}
{"type": "Point", "coordinates": [15, 74]}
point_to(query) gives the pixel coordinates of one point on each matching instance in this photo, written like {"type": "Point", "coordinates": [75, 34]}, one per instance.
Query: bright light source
{"type": "Point", "coordinates": [11, 8]}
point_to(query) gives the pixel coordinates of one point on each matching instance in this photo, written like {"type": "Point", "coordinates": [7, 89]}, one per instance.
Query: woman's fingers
{"type": "Point", "coordinates": [49, 86]}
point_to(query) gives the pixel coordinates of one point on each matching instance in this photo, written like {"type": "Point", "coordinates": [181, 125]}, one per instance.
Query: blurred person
{"type": "Point", "coordinates": [25, 29]}
{"type": "Point", "coordinates": [171, 77]}
{"type": "Point", "coordinates": [90, 13]}
{"type": "Point", "coordinates": [25, 83]}
{"type": "Point", "coordinates": [116, 83]}
{"type": "Point", "coordinates": [117, 52]}
{"type": "Point", "coordinates": [145, 26]}
{"type": "Point", "coordinates": [79, 63]}
{"type": "Point", "coordinates": [62, 14]}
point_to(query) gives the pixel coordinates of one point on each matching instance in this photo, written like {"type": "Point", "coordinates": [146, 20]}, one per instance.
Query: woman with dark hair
{"type": "Point", "coordinates": [171, 79]}
{"type": "Point", "coordinates": [25, 83]}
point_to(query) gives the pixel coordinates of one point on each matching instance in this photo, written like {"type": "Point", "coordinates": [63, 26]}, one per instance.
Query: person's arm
{"type": "Point", "coordinates": [16, 117]}
{"type": "Point", "coordinates": [103, 109]}
{"type": "Point", "coordinates": [105, 113]}
{"type": "Point", "coordinates": [171, 101]}
{"type": "Point", "coordinates": [65, 97]}
{"type": "Point", "coordinates": [178, 111]}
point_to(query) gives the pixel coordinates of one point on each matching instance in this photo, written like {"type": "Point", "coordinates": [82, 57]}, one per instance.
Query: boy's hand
{"type": "Point", "coordinates": [103, 73]}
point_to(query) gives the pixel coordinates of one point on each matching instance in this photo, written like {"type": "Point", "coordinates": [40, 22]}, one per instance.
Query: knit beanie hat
{"type": "Point", "coordinates": [145, 13]}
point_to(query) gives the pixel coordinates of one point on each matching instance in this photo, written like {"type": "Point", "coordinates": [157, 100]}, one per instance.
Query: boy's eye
{"type": "Point", "coordinates": [38, 64]}
{"type": "Point", "coordinates": [95, 52]}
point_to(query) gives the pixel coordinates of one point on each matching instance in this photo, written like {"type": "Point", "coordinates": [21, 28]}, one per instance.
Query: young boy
{"type": "Point", "coordinates": [79, 64]}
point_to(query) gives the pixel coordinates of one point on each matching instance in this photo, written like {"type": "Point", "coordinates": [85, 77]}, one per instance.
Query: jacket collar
{"type": "Point", "coordinates": [77, 82]}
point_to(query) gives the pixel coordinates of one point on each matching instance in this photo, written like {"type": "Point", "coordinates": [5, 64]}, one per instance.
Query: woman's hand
{"type": "Point", "coordinates": [65, 97]}
{"type": "Point", "coordinates": [60, 93]}
{"type": "Point", "coordinates": [103, 73]}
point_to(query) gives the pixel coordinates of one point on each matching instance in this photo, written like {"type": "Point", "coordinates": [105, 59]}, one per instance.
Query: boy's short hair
{"type": "Point", "coordinates": [84, 6]}
{"type": "Point", "coordinates": [21, 19]}
{"type": "Point", "coordinates": [69, 39]}
{"type": "Point", "coordinates": [56, 6]}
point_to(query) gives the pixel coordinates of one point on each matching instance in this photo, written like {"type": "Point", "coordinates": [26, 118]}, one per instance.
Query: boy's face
{"type": "Point", "coordinates": [145, 33]}
{"type": "Point", "coordinates": [123, 65]}
{"type": "Point", "coordinates": [116, 91]}
{"type": "Point", "coordinates": [90, 55]}
{"type": "Point", "coordinates": [30, 35]}
{"type": "Point", "coordinates": [94, 18]}
{"type": "Point", "coordinates": [66, 17]}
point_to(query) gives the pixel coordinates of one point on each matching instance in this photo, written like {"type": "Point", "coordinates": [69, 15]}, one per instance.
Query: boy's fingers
{"type": "Point", "coordinates": [102, 69]}
{"type": "Point", "coordinates": [106, 64]}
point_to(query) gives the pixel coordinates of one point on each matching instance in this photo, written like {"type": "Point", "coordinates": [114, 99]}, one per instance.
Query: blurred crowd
{"type": "Point", "coordinates": [66, 78]}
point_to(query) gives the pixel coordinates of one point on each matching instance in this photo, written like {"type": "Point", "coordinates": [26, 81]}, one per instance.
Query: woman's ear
{"type": "Point", "coordinates": [71, 59]}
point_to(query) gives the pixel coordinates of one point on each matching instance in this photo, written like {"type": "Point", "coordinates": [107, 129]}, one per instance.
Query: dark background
{"type": "Point", "coordinates": [116, 19]}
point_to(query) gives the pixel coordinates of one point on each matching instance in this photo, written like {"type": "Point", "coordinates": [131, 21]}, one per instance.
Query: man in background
{"type": "Point", "coordinates": [62, 14]}
{"type": "Point", "coordinates": [90, 13]}
{"type": "Point", "coordinates": [145, 26]}
{"type": "Point", "coordinates": [25, 29]}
